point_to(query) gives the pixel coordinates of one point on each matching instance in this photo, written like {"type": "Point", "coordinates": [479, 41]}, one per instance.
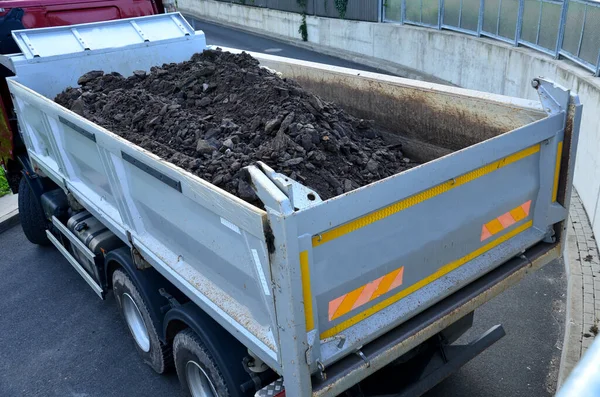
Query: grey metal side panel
{"type": "Point", "coordinates": [428, 231]}
{"type": "Point", "coordinates": [209, 243]}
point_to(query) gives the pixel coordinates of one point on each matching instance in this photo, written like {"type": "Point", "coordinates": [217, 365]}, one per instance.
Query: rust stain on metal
{"type": "Point", "coordinates": [443, 120]}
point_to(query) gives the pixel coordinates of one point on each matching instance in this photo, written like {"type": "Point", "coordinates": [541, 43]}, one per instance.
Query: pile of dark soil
{"type": "Point", "coordinates": [219, 112]}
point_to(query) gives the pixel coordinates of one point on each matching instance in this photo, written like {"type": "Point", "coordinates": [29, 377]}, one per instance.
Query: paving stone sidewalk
{"type": "Point", "coordinates": [9, 212]}
{"type": "Point", "coordinates": [582, 261]}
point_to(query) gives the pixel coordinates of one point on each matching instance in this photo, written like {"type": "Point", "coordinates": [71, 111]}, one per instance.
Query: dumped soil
{"type": "Point", "coordinates": [219, 112]}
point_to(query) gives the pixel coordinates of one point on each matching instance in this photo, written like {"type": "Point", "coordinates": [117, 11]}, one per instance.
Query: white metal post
{"type": "Point", "coordinates": [519, 22]}
{"type": "Point", "coordinates": [561, 28]}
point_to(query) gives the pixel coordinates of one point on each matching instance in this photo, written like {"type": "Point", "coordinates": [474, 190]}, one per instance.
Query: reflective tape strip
{"type": "Point", "coordinates": [392, 209]}
{"type": "Point", "coordinates": [261, 273]}
{"type": "Point", "coordinates": [505, 221]}
{"type": "Point", "coordinates": [557, 171]}
{"type": "Point", "coordinates": [409, 290]}
{"type": "Point", "coordinates": [362, 295]}
{"type": "Point", "coordinates": [306, 291]}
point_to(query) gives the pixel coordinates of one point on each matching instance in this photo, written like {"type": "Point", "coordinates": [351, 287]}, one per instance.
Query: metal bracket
{"type": "Point", "coordinates": [89, 135]}
{"type": "Point", "coordinates": [554, 98]}
{"type": "Point", "coordinates": [340, 338]}
{"type": "Point", "coordinates": [299, 195]}
{"type": "Point", "coordinates": [137, 258]}
{"type": "Point", "coordinates": [172, 301]}
{"type": "Point", "coordinates": [362, 356]}
{"type": "Point", "coordinates": [80, 39]}
{"type": "Point", "coordinates": [322, 372]}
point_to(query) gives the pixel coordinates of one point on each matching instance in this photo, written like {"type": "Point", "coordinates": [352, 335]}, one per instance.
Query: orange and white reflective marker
{"type": "Point", "coordinates": [505, 221]}
{"type": "Point", "coordinates": [362, 295]}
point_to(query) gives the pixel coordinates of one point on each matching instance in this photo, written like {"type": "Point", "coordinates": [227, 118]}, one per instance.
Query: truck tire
{"type": "Point", "coordinates": [31, 214]}
{"type": "Point", "coordinates": [201, 373]}
{"type": "Point", "coordinates": [135, 312]}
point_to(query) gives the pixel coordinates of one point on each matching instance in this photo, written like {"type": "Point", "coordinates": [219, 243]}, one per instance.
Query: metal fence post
{"type": "Point", "coordinates": [561, 28]}
{"type": "Point", "coordinates": [440, 14]}
{"type": "Point", "coordinates": [519, 22]}
{"type": "Point", "coordinates": [380, 11]}
{"type": "Point", "coordinates": [597, 74]}
{"type": "Point", "coordinates": [403, 11]}
{"type": "Point", "coordinates": [480, 20]}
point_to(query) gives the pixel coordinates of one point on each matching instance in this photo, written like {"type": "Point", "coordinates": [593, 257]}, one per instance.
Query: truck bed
{"type": "Point", "coordinates": [309, 281]}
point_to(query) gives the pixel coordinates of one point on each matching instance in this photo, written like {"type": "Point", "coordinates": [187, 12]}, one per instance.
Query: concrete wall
{"type": "Point", "coordinates": [467, 61]}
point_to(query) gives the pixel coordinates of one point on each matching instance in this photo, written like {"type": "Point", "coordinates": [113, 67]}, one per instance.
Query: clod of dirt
{"type": "Point", "coordinates": [219, 112]}
{"type": "Point", "coordinates": [594, 329]}
{"type": "Point", "coordinates": [588, 258]}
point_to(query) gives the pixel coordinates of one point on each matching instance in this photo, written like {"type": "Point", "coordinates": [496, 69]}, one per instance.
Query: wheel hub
{"type": "Point", "coordinates": [135, 322]}
{"type": "Point", "coordinates": [198, 382]}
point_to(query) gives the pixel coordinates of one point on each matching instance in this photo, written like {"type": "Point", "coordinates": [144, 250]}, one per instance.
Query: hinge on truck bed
{"type": "Point", "coordinates": [137, 258]}
{"type": "Point", "coordinates": [554, 98]}
{"type": "Point", "coordinates": [268, 189]}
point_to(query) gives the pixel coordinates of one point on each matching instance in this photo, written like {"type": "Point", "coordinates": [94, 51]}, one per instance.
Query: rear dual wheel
{"type": "Point", "coordinates": [134, 311]}
{"type": "Point", "coordinates": [207, 366]}
{"type": "Point", "coordinates": [203, 372]}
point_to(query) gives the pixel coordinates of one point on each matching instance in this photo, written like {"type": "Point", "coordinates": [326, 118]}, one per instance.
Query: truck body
{"type": "Point", "coordinates": [325, 293]}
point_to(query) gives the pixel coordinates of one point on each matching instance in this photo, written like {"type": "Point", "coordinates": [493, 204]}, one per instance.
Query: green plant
{"type": "Point", "coordinates": [341, 6]}
{"type": "Point", "coordinates": [4, 189]}
{"type": "Point", "coordinates": [303, 29]}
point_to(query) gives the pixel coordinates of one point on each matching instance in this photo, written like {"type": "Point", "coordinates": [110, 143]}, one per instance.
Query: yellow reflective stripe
{"type": "Point", "coordinates": [557, 171]}
{"type": "Point", "coordinates": [420, 197]}
{"type": "Point", "coordinates": [441, 272]}
{"type": "Point", "coordinates": [494, 226]}
{"type": "Point", "coordinates": [384, 285]}
{"type": "Point", "coordinates": [518, 214]}
{"type": "Point", "coordinates": [349, 301]}
{"type": "Point", "coordinates": [306, 292]}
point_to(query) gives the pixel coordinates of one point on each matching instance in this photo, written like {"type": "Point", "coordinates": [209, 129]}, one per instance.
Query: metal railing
{"type": "Point", "coordinates": [569, 28]}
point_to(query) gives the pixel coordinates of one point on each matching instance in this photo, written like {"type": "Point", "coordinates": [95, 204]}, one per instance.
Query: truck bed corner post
{"type": "Point", "coordinates": [285, 267]}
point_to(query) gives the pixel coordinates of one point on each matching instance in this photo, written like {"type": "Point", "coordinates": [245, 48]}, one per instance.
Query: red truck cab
{"type": "Point", "coordinates": [27, 14]}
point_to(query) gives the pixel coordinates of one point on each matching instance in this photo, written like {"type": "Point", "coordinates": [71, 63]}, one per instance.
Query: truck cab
{"type": "Point", "coordinates": [30, 14]}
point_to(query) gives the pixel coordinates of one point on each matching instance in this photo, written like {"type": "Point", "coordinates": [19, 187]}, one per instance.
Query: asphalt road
{"type": "Point", "coordinates": [58, 339]}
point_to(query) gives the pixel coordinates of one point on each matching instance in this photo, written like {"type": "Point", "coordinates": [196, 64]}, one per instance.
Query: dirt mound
{"type": "Point", "coordinates": [219, 112]}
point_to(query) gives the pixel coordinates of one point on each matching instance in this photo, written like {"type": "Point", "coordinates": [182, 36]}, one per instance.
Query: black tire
{"type": "Point", "coordinates": [157, 355]}
{"type": "Point", "coordinates": [224, 370]}
{"type": "Point", "coordinates": [32, 217]}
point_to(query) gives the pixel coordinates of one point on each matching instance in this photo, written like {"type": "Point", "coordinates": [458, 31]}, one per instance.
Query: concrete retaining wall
{"type": "Point", "coordinates": [466, 61]}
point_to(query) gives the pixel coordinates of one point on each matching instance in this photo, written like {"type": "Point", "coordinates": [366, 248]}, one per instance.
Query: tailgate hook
{"type": "Point", "coordinates": [321, 368]}
{"type": "Point", "coordinates": [360, 354]}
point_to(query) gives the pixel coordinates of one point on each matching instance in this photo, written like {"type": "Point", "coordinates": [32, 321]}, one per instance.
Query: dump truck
{"type": "Point", "coordinates": [297, 296]}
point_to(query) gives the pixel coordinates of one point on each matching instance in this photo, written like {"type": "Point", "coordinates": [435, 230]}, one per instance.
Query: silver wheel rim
{"type": "Point", "coordinates": [135, 322]}
{"type": "Point", "coordinates": [198, 382]}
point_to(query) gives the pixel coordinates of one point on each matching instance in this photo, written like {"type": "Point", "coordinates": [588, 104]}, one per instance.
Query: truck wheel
{"type": "Point", "coordinates": [31, 214]}
{"type": "Point", "coordinates": [137, 317]}
{"type": "Point", "coordinates": [199, 372]}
